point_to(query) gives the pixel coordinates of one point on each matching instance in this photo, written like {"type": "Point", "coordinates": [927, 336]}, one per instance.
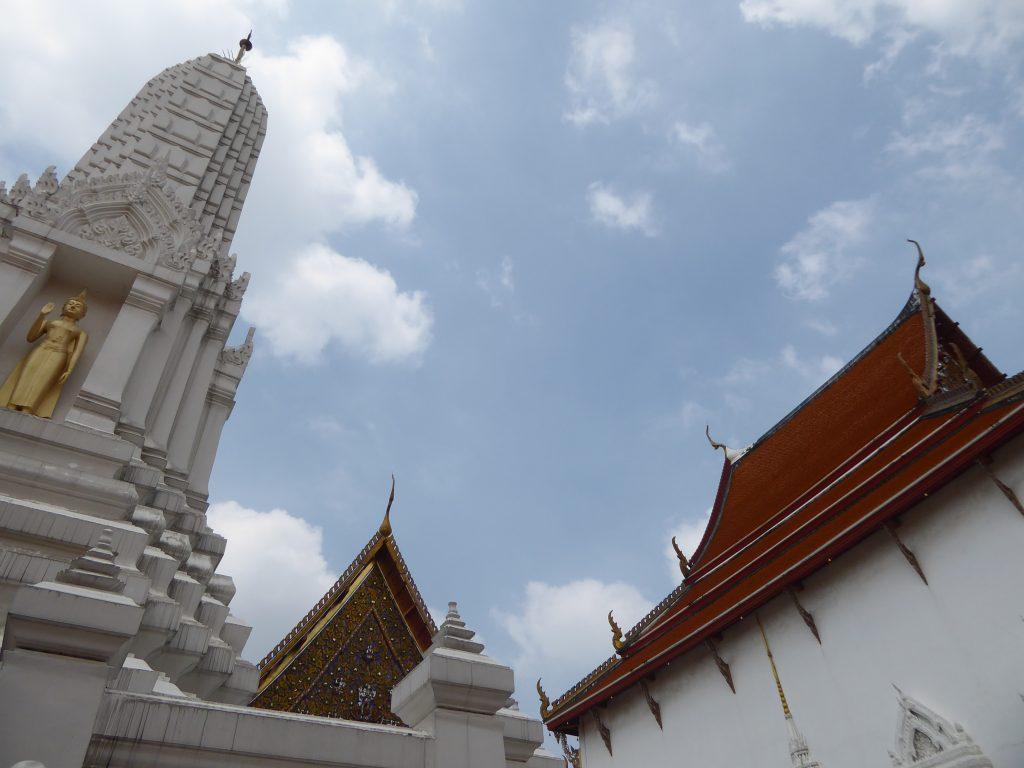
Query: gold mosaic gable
{"type": "Point", "coordinates": [349, 668]}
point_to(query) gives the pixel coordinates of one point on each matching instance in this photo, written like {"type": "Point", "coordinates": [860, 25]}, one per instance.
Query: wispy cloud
{"type": "Point", "coordinates": [499, 286]}
{"type": "Point", "coordinates": [822, 325]}
{"type": "Point", "coordinates": [897, 40]}
{"type": "Point", "coordinates": [702, 141]}
{"type": "Point", "coordinates": [983, 29]}
{"type": "Point", "coordinates": [818, 256]}
{"type": "Point", "coordinates": [619, 212]}
{"type": "Point", "coordinates": [600, 78]}
{"type": "Point", "coordinates": [958, 149]}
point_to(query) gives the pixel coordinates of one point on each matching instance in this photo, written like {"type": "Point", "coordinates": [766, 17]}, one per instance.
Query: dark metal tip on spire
{"type": "Point", "coordinates": [244, 46]}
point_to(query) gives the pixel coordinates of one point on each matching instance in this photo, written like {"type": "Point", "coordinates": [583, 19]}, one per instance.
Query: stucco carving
{"type": "Point", "coordinates": [136, 213]}
{"type": "Point", "coordinates": [925, 739]}
{"type": "Point", "coordinates": [239, 355]}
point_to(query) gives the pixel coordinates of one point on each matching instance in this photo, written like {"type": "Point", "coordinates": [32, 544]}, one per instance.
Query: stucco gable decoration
{"type": "Point", "coordinates": [136, 213]}
{"type": "Point", "coordinates": [925, 739]}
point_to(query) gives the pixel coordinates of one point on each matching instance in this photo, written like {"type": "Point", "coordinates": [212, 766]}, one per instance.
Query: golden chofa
{"type": "Point", "coordinates": [34, 386]}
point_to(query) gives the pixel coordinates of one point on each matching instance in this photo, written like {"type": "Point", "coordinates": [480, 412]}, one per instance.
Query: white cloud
{"type": "Point", "coordinates": [818, 256]}
{"type": "Point", "coordinates": [327, 298]}
{"type": "Point", "coordinates": [561, 630]}
{"type": "Point", "coordinates": [609, 208]}
{"type": "Point", "coordinates": [701, 139]}
{"type": "Point", "coordinates": [688, 534]}
{"type": "Point", "coordinates": [355, 306]}
{"type": "Point", "coordinates": [980, 28]}
{"type": "Point", "coordinates": [278, 565]}
{"type": "Point", "coordinates": [600, 77]}
{"type": "Point", "coordinates": [329, 188]}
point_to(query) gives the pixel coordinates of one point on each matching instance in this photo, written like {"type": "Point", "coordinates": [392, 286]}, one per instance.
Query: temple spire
{"type": "Point", "coordinates": [799, 752]}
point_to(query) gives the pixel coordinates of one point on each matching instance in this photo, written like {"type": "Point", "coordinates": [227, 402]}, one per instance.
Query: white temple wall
{"type": "Point", "coordinates": [24, 266]}
{"type": "Point", "coordinates": [178, 330]}
{"type": "Point", "coordinates": [953, 644]}
{"type": "Point", "coordinates": [194, 331]}
{"type": "Point", "coordinates": [186, 425]}
{"type": "Point", "coordinates": [152, 370]}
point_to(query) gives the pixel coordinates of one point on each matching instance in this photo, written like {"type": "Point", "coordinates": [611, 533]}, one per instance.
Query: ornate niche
{"type": "Point", "coordinates": [925, 739]}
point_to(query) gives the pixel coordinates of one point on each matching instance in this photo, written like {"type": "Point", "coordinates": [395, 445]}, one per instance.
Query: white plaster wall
{"type": "Point", "coordinates": [956, 644]}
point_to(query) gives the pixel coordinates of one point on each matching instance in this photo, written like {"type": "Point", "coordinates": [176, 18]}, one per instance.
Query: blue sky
{"type": "Point", "coordinates": [520, 253]}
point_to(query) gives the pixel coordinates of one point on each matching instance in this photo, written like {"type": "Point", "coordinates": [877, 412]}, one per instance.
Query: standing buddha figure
{"type": "Point", "coordinates": [35, 384]}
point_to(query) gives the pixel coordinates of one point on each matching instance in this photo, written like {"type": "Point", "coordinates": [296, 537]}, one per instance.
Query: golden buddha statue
{"type": "Point", "coordinates": [35, 384]}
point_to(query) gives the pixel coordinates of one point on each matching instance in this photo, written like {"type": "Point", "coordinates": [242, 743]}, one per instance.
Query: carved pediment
{"type": "Point", "coordinates": [135, 213]}
{"type": "Point", "coordinates": [925, 739]}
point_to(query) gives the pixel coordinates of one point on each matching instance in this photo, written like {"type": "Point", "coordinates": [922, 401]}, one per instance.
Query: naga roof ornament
{"type": "Point", "coordinates": [385, 524]}
{"type": "Point", "coordinates": [731, 454]}
{"type": "Point", "coordinates": [946, 369]}
{"type": "Point", "coordinates": [684, 564]}
{"type": "Point", "coordinates": [617, 642]}
{"type": "Point", "coordinates": [545, 702]}
{"type": "Point", "coordinates": [927, 382]}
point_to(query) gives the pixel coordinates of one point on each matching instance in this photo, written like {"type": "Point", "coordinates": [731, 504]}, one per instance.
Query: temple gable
{"type": "Point", "coordinates": [368, 632]}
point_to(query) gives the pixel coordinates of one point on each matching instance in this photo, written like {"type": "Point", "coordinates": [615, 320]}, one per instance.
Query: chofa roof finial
{"type": "Point", "coordinates": [922, 287]}
{"type": "Point", "coordinates": [617, 642]}
{"type": "Point", "coordinates": [385, 525]}
{"type": "Point", "coordinates": [684, 564]}
{"type": "Point", "coordinates": [545, 702]}
{"type": "Point", "coordinates": [731, 454]}
{"type": "Point", "coordinates": [927, 382]}
{"type": "Point", "coordinates": [244, 46]}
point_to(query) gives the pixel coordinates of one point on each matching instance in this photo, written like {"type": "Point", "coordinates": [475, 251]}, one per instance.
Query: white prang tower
{"type": "Point", "coordinates": [107, 565]}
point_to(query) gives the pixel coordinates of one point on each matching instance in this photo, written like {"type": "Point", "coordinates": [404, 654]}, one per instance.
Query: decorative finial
{"type": "Point", "coordinates": [244, 46]}
{"type": "Point", "coordinates": [714, 445]}
{"type": "Point", "coordinates": [385, 526]}
{"type": "Point", "coordinates": [453, 612]}
{"type": "Point", "coordinates": [96, 568]}
{"type": "Point", "coordinates": [775, 672]}
{"type": "Point", "coordinates": [684, 564]}
{"type": "Point", "coordinates": [922, 287]}
{"type": "Point", "coordinates": [455, 634]}
{"type": "Point", "coordinates": [545, 702]}
{"type": "Point", "coordinates": [919, 383]}
{"type": "Point", "coordinates": [617, 642]}
{"type": "Point", "coordinates": [731, 454]}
